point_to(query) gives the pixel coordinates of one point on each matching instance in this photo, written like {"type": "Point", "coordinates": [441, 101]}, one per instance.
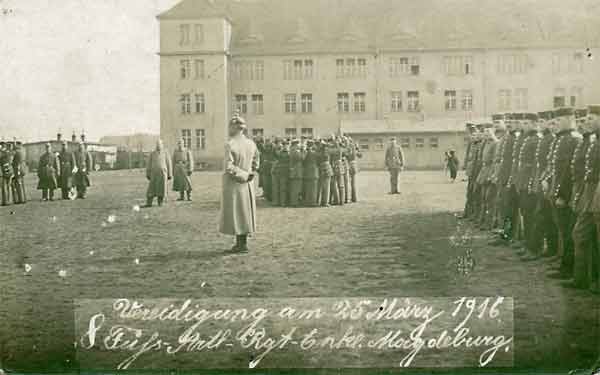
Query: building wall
{"type": "Point", "coordinates": [529, 76]}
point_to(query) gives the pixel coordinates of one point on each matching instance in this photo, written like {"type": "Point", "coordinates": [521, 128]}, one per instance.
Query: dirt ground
{"type": "Point", "coordinates": [382, 246]}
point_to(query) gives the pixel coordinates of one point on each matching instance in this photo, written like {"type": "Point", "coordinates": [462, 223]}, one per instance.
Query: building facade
{"type": "Point", "coordinates": [417, 72]}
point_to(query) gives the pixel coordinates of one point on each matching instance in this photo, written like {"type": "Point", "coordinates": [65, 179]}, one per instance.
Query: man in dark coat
{"type": "Point", "coordinates": [67, 169]}
{"type": "Point", "coordinates": [353, 154]}
{"type": "Point", "coordinates": [48, 171]}
{"type": "Point", "coordinates": [6, 173]}
{"type": "Point", "coordinates": [183, 166]}
{"type": "Point", "coordinates": [310, 175]}
{"type": "Point", "coordinates": [394, 162]}
{"type": "Point", "coordinates": [297, 155]}
{"type": "Point", "coordinates": [83, 165]}
{"type": "Point", "coordinates": [158, 173]}
{"type": "Point", "coordinates": [19, 168]}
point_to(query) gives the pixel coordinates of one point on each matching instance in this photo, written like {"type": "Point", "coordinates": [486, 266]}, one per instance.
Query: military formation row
{"type": "Point", "coordinates": [308, 172]}
{"type": "Point", "coordinates": [533, 179]}
{"type": "Point", "coordinates": [13, 169]}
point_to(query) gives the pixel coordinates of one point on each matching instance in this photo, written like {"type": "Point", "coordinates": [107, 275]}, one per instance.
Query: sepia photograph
{"type": "Point", "coordinates": [299, 186]}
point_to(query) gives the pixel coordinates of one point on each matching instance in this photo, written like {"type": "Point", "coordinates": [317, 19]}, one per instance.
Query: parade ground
{"type": "Point", "coordinates": [106, 246]}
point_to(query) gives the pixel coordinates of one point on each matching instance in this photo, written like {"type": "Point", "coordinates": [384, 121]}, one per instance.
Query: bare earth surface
{"type": "Point", "coordinates": [382, 246]}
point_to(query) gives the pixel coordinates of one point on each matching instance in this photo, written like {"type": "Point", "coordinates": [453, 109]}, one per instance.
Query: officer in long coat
{"type": "Point", "coordinates": [183, 166]}
{"type": "Point", "coordinates": [310, 175]}
{"type": "Point", "coordinates": [238, 203]}
{"type": "Point", "coordinates": [67, 169]}
{"type": "Point", "coordinates": [394, 162]}
{"type": "Point", "coordinates": [83, 166]}
{"type": "Point", "coordinates": [485, 176]}
{"type": "Point", "coordinates": [275, 198]}
{"type": "Point", "coordinates": [158, 173]}
{"type": "Point", "coordinates": [325, 174]}
{"type": "Point", "coordinates": [6, 172]}
{"type": "Point", "coordinates": [19, 171]}
{"type": "Point", "coordinates": [338, 189]}
{"type": "Point", "coordinates": [352, 156]}
{"type": "Point", "coordinates": [297, 155]}
{"type": "Point", "coordinates": [48, 171]}
{"type": "Point", "coordinates": [594, 174]}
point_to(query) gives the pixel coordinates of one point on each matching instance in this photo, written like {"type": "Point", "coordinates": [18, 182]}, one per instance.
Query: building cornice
{"type": "Point", "coordinates": [193, 53]}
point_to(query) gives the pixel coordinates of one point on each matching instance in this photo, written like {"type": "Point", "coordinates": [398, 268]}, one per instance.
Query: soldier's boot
{"type": "Point", "coordinates": [189, 195]}
{"type": "Point", "coordinates": [51, 194]}
{"type": "Point", "coordinates": [181, 197]}
{"type": "Point", "coordinates": [160, 201]}
{"type": "Point", "coordinates": [243, 243]}
{"type": "Point", "coordinates": [342, 193]}
{"type": "Point", "coordinates": [149, 202]}
{"type": "Point", "coordinates": [44, 194]}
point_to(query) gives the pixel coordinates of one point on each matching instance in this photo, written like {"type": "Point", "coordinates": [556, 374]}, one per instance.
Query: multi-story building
{"type": "Point", "coordinates": [372, 69]}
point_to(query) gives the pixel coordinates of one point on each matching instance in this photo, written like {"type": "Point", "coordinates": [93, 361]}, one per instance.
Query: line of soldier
{"type": "Point", "coordinates": [65, 170]}
{"type": "Point", "coordinates": [308, 172]}
{"type": "Point", "coordinates": [12, 173]}
{"type": "Point", "coordinates": [533, 179]}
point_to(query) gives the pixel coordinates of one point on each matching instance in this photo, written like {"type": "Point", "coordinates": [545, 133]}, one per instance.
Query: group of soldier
{"type": "Point", "coordinates": [308, 172]}
{"type": "Point", "coordinates": [533, 179]}
{"type": "Point", "coordinates": [12, 164]}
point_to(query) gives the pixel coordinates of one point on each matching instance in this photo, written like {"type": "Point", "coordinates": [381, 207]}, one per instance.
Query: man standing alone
{"type": "Point", "coordinates": [394, 161]}
{"type": "Point", "coordinates": [158, 172]}
{"type": "Point", "coordinates": [183, 164]}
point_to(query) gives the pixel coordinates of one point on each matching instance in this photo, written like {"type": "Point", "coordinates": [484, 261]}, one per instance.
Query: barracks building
{"type": "Point", "coordinates": [372, 69]}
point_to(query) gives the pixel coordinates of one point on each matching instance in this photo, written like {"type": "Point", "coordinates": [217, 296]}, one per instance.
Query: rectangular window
{"type": "Point", "coordinates": [468, 65]}
{"type": "Point", "coordinates": [504, 100]}
{"type": "Point", "coordinates": [306, 103]}
{"type": "Point", "coordinates": [359, 102]}
{"type": "Point", "coordinates": [241, 103]}
{"type": "Point", "coordinates": [184, 34]}
{"type": "Point", "coordinates": [308, 69]}
{"type": "Point", "coordinates": [576, 63]}
{"type": "Point", "coordinates": [399, 66]}
{"type": "Point", "coordinates": [339, 68]}
{"type": "Point", "coordinates": [186, 135]}
{"type": "Point", "coordinates": [343, 102]}
{"type": "Point", "coordinates": [199, 69]}
{"type": "Point", "coordinates": [199, 33]}
{"type": "Point", "coordinates": [420, 142]}
{"type": "Point", "coordinates": [259, 70]}
{"type": "Point", "coordinates": [521, 99]}
{"type": "Point", "coordinates": [362, 68]}
{"type": "Point", "coordinates": [200, 103]}
{"type": "Point", "coordinates": [200, 139]}
{"type": "Point", "coordinates": [257, 104]}
{"type": "Point", "coordinates": [258, 132]}
{"type": "Point", "coordinates": [405, 142]}
{"type": "Point", "coordinates": [307, 132]}
{"type": "Point", "coordinates": [458, 65]}
{"type": "Point", "coordinates": [237, 70]}
{"type": "Point", "coordinates": [576, 96]}
{"type": "Point", "coordinates": [413, 104]}
{"type": "Point", "coordinates": [288, 70]}
{"type": "Point", "coordinates": [186, 104]}
{"type": "Point", "coordinates": [185, 69]}
{"type": "Point", "coordinates": [350, 68]}
{"type": "Point", "coordinates": [513, 64]}
{"type": "Point", "coordinates": [364, 144]}
{"type": "Point", "coordinates": [297, 69]}
{"type": "Point", "coordinates": [290, 103]}
{"type": "Point", "coordinates": [291, 132]}
{"type": "Point", "coordinates": [379, 144]}
{"type": "Point", "coordinates": [559, 98]}
{"type": "Point", "coordinates": [396, 97]}
{"type": "Point", "coordinates": [466, 100]}
{"type": "Point", "coordinates": [450, 100]}
{"type": "Point", "coordinates": [434, 142]}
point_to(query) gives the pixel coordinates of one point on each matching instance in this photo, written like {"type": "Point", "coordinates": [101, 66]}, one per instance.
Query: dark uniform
{"type": "Point", "coordinates": [394, 161]}
{"type": "Point", "coordinates": [325, 175]}
{"type": "Point", "coordinates": [297, 155]}
{"type": "Point", "coordinates": [338, 189]}
{"type": "Point", "coordinates": [484, 181]}
{"type": "Point", "coordinates": [283, 175]}
{"type": "Point", "coordinates": [19, 171]}
{"type": "Point", "coordinates": [560, 192]}
{"type": "Point", "coordinates": [6, 173]}
{"type": "Point", "coordinates": [265, 169]}
{"type": "Point", "coordinates": [48, 171]}
{"type": "Point", "coordinates": [353, 154]}
{"type": "Point", "coordinates": [67, 163]}
{"type": "Point", "coordinates": [514, 199]}
{"type": "Point", "coordinates": [311, 175]}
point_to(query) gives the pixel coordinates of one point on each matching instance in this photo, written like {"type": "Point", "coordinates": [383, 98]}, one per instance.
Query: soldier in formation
{"type": "Point", "coordinates": [540, 189]}
{"type": "Point", "coordinates": [12, 172]}
{"type": "Point", "coordinates": [308, 172]}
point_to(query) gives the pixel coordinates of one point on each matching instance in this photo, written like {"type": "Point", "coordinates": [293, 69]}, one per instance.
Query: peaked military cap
{"type": "Point", "coordinates": [594, 109]}
{"type": "Point", "coordinates": [562, 112]}
{"type": "Point", "coordinates": [580, 113]}
{"type": "Point", "coordinates": [518, 116]}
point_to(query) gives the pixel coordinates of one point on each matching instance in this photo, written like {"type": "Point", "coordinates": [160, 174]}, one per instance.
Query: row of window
{"type": "Point", "coordinates": [186, 37]}
{"type": "Point", "coordinates": [508, 99]}
{"type": "Point", "coordinates": [303, 69]}
{"type": "Point", "coordinates": [405, 142]}
{"type": "Point", "coordinates": [199, 138]}
{"type": "Point", "coordinates": [289, 132]}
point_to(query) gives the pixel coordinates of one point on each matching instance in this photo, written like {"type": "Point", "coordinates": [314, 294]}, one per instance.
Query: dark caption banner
{"type": "Point", "coordinates": [294, 333]}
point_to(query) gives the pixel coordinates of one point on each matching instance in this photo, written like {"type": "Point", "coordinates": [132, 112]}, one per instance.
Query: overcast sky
{"type": "Point", "coordinates": [79, 64]}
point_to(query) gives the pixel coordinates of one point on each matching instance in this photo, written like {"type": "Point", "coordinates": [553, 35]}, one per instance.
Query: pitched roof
{"type": "Point", "coordinates": [282, 26]}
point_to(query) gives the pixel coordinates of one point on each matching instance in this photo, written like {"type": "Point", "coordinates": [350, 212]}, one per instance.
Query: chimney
{"type": "Point", "coordinates": [74, 138]}
{"type": "Point", "coordinates": [58, 137]}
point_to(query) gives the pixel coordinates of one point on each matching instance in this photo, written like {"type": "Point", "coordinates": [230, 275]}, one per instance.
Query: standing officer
{"type": "Point", "coordinates": [346, 177]}
{"type": "Point", "coordinates": [48, 172]}
{"type": "Point", "coordinates": [275, 201]}
{"type": "Point", "coordinates": [19, 168]}
{"type": "Point", "coordinates": [394, 161]}
{"type": "Point", "coordinates": [283, 173]}
{"type": "Point", "coordinates": [477, 166]}
{"type": "Point", "coordinates": [353, 154]}
{"type": "Point", "coordinates": [484, 178]}
{"type": "Point", "coordinates": [513, 196]}
{"type": "Point", "coordinates": [297, 155]}
{"type": "Point", "coordinates": [265, 168]}
{"type": "Point", "coordinates": [338, 189]}
{"type": "Point", "coordinates": [584, 232]}
{"type": "Point", "coordinates": [560, 189]}
{"type": "Point", "coordinates": [83, 166]}
{"type": "Point", "coordinates": [502, 181]}
{"type": "Point", "coordinates": [183, 167]}
{"type": "Point", "coordinates": [494, 193]}
{"type": "Point", "coordinates": [5, 172]}
{"type": "Point", "coordinates": [325, 174]}
{"type": "Point", "coordinates": [526, 175]}
{"type": "Point", "coordinates": [593, 171]}
{"type": "Point", "coordinates": [468, 165]}
{"type": "Point", "coordinates": [311, 175]}
{"type": "Point", "coordinates": [545, 226]}
{"type": "Point", "coordinates": [67, 169]}
{"type": "Point", "coordinates": [158, 173]}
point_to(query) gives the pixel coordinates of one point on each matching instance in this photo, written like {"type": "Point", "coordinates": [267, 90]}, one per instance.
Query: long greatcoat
{"type": "Point", "coordinates": [238, 203]}
{"type": "Point", "coordinates": [67, 163]}
{"type": "Point", "coordinates": [48, 169]}
{"type": "Point", "coordinates": [183, 166]}
{"type": "Point", "coordinates": [83, 162]}
{"type": "Point", "coordinates": [158, 171]}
